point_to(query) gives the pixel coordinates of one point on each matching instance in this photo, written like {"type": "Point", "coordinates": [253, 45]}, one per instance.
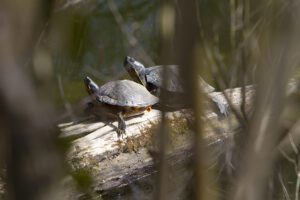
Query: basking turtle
{"type": "Point", "coordinates": [122, 98]}
{"type": "Point", "coordinates": [152, 79]}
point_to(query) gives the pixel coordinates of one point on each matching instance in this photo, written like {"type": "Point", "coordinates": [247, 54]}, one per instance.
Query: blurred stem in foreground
{"type": "Point", "coordinates": [256, 166]}
{"type": "Point", "coordinates": [32, 160]}
{"type": "Point", "coordinates": [167, 28]}
{"type": "Point", "coordinates": [187, 53]}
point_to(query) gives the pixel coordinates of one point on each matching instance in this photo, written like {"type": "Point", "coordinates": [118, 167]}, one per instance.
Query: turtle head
{"type": "Point", "coordinates": [135, 69]}
{"type": "Point", "coordinates": [91, 86]}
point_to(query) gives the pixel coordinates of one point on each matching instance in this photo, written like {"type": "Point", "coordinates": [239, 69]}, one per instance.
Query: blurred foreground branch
{"type": "Point", "coordinates": [30, 153]}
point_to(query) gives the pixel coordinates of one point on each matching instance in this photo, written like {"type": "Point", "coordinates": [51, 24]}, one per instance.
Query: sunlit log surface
{"type": "Point", "coordinates": [96, 145]}
{"type": "Point", "coordinates": [98, 137]}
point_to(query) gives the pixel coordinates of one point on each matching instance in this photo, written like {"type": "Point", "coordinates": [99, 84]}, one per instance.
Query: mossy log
{"type": "Point", "coordinates": [114, 161]}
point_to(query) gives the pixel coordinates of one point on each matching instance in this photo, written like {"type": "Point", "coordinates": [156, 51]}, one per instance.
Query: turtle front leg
{"type": "Point", "coordinates": [121, 130]}
{"type": "Point", "coordinates": [222, 107]}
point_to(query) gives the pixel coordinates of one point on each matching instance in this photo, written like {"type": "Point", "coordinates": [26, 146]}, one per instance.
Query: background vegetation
{"type": "Point", "coordinates": [48, 47]}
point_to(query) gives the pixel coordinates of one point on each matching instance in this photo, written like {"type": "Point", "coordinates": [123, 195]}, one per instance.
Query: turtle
{"type": "Point", "coordinates": [120, 98]}
{"type": "Point", "coordinates": [152, 79]}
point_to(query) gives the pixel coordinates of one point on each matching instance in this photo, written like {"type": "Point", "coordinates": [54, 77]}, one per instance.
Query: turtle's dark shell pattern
{"type": "Point", "coordinates": [125, 93]}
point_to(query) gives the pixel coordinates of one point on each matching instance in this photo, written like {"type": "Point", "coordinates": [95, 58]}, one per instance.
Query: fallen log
{"type": "Point", "coordinates": [115, 163]}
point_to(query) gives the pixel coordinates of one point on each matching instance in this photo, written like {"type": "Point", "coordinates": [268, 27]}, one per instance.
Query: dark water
{"type": "Point", "coordinates": [87, 39]}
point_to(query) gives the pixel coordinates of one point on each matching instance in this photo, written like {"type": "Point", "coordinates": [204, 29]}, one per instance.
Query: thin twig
{"type": "Point", "coordinates": [285, 192]}
{"type": "Point", "coordinates": [130, 38]}
{"type": "Point", "coordinates": [297, 186]}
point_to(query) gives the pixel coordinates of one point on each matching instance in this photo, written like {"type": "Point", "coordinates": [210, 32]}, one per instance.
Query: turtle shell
{"type": "Point", "coordinates": [154, 76]}
{"type": "Point", "coordinates": [125, 93]}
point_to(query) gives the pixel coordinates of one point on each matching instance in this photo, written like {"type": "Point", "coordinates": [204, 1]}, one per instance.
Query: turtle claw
{"type": "Point", "coordinates": [121, 132]}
